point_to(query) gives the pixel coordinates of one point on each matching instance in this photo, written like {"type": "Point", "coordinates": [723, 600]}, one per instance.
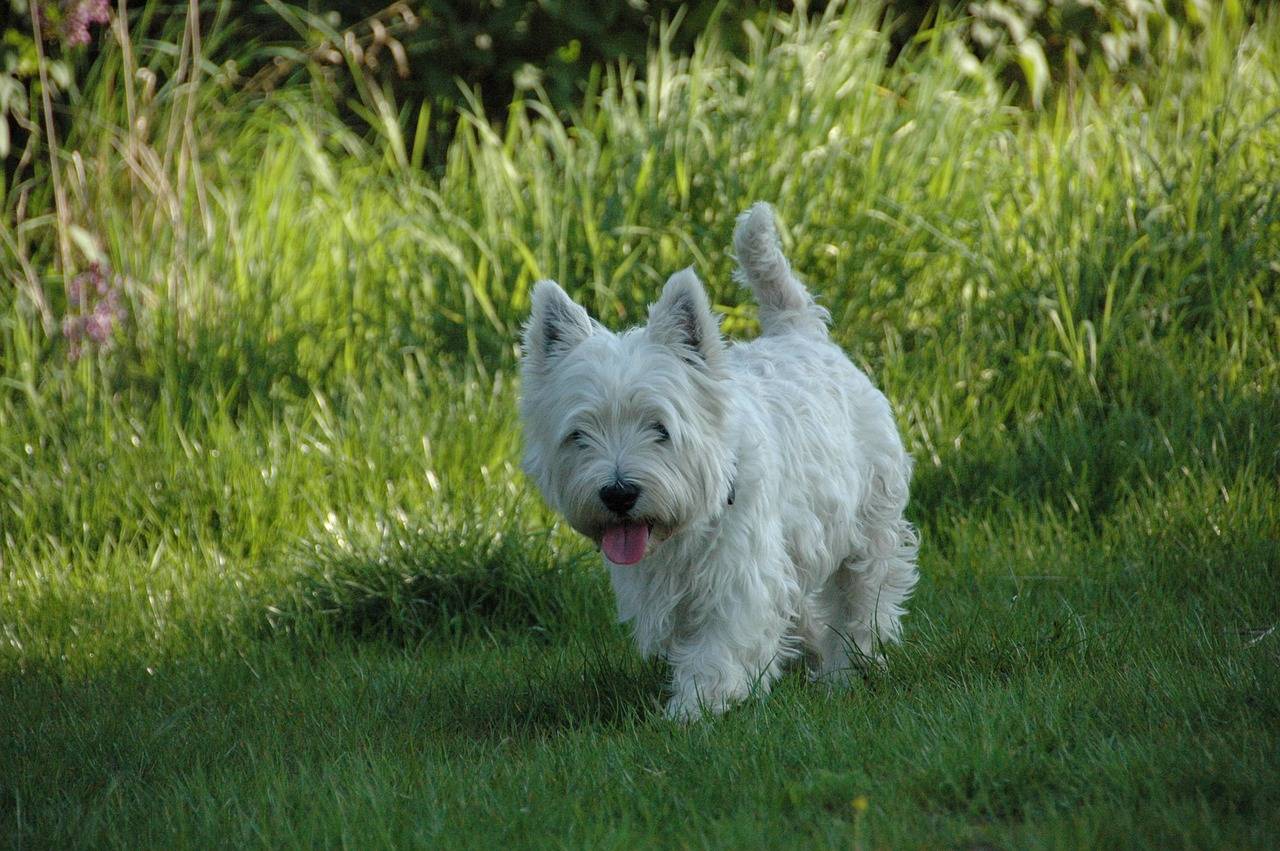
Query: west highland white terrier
{"type": "Point", "coordinates": [748, 497]}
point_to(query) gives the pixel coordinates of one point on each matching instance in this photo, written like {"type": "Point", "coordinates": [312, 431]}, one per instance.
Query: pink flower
{"type": "Point", "coordinates": [97, 326]}
{"type": "Point", "coordinates": [75, 27]}
{"type": "Point", "coordinates": [72, 328]}
{"type": "Point", "coordinates": [97, 278]}
{"type": "Point", "coordinates": [75, 16]}
{"type": "Point", "coordinates": [94, 309]}
{"type": "Point", "coordinates": [96, 10]}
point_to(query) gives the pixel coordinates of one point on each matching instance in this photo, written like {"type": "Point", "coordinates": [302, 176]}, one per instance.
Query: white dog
{"type": "Point", "coordinates": [748, 497]}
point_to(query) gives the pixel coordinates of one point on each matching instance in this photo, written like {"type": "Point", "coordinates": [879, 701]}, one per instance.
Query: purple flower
{"type": "Point", "coordinates": [74, 16]}
{"type": "Point", "coordinates": [96, 278]}
{"type": "Point", "coordinates": [72, 328]}
{"type": "Point", "coordinates": [96, 11]}
{"type": "Point", "coordinates": [97, 326]}
{"type": "Point", "coordinates": [94, 309]}
{"type": "Point", "coordinates": [90, 279]}
{"type": "Point", "coordinates": [75, 27]}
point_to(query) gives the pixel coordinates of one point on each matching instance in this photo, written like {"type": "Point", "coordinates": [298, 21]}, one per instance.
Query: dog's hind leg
{"type": "Point", "coordinates": [880, 585]}
{"type": "Point", "coordinates": [862, 603]}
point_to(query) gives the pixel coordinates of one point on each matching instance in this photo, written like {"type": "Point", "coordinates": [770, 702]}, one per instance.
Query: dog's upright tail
{"type": "Point", "coordinates": [785, 305]}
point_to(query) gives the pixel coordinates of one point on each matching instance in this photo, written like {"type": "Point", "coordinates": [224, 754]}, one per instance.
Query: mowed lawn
{"type": "Point", "coordinates": [270, 576]}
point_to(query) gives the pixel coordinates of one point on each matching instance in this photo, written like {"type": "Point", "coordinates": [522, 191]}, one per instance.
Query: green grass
{"type": "Point", "coordinates": [269, 575]}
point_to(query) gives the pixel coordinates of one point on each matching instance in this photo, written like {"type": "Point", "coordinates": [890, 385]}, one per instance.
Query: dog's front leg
{"type": "Point", "coordinates": [729, 638]}
{"type": "Point", "coordinates": [721, 665]}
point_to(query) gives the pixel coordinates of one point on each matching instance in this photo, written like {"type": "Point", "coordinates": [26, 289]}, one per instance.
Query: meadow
{"type": "Point", "coordinates": [270, 575]}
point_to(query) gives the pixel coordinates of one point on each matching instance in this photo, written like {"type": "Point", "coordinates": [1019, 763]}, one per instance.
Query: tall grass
{"type": "Point", "coordinates": [915, 196]}
{"type": "Point", "coordinates": [1013, 278]}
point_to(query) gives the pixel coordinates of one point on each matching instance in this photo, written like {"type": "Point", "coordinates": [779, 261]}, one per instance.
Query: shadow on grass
{"type": "Point", "coordinates": [324, 696]}
{"type": "Point", "coordinates": [567, 688]}
{"type": "Point", "coordinates": [1082, 462]}
{"type": "Point", "coordinates": [516, 636]}
{"type": "Point", "coordinates": [541, 621]}
{"type": "Point", "coordinates": [414, 584]}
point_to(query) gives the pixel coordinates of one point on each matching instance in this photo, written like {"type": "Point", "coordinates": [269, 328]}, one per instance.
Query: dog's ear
{"type": "Point", "coordinates": [556, 324]}
{"type": "Point", "coordinates": [682, 319]}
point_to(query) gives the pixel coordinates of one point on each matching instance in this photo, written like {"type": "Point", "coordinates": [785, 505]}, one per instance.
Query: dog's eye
{"type": "Point", "coordinates": [576, 437]}
{"type": "Point", "coordinates": [663, 434]}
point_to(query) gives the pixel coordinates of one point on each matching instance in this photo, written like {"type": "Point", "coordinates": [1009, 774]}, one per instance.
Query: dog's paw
{"type": "Point", "coordinates": [682, 711]}
{"type": "Point", "coordinates": [687, 708]}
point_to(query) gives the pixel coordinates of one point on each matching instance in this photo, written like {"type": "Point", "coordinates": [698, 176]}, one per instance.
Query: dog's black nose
{"type": "Point", "coordinates": [620, 496]}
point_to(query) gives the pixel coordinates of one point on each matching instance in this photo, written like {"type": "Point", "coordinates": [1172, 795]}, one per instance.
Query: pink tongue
{"type": "Point", "coordinates": [625, 544]}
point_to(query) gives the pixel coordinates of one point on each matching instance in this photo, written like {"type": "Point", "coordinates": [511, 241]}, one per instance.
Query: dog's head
{"type": "Point", "coordinates": [624, 433]}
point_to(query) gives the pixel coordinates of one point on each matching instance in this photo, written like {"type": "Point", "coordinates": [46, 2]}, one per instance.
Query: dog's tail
{"type": "Point", "coordinates": [785, 305]}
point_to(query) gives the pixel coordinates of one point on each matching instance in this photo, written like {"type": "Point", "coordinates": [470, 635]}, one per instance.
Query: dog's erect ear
{"type": "Point", "coordinates": [682, 319]}
{"type": "Point", "coordinates": [556, 324]}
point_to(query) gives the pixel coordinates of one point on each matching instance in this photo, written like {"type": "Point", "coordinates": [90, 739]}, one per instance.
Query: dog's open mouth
{"type": "Point", "coordinates": [626, 542]}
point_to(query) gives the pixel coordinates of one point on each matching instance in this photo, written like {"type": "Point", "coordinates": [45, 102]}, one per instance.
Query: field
{"type": "Point", "coordinates": [270, 575]}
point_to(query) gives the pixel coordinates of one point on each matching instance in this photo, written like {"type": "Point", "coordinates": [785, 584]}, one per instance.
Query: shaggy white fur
{"type": "Point", "coordinates": [748, 497]}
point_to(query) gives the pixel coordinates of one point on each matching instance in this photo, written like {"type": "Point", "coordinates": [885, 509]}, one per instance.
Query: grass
{"type": "Point", "coordinates": [269, 575]}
